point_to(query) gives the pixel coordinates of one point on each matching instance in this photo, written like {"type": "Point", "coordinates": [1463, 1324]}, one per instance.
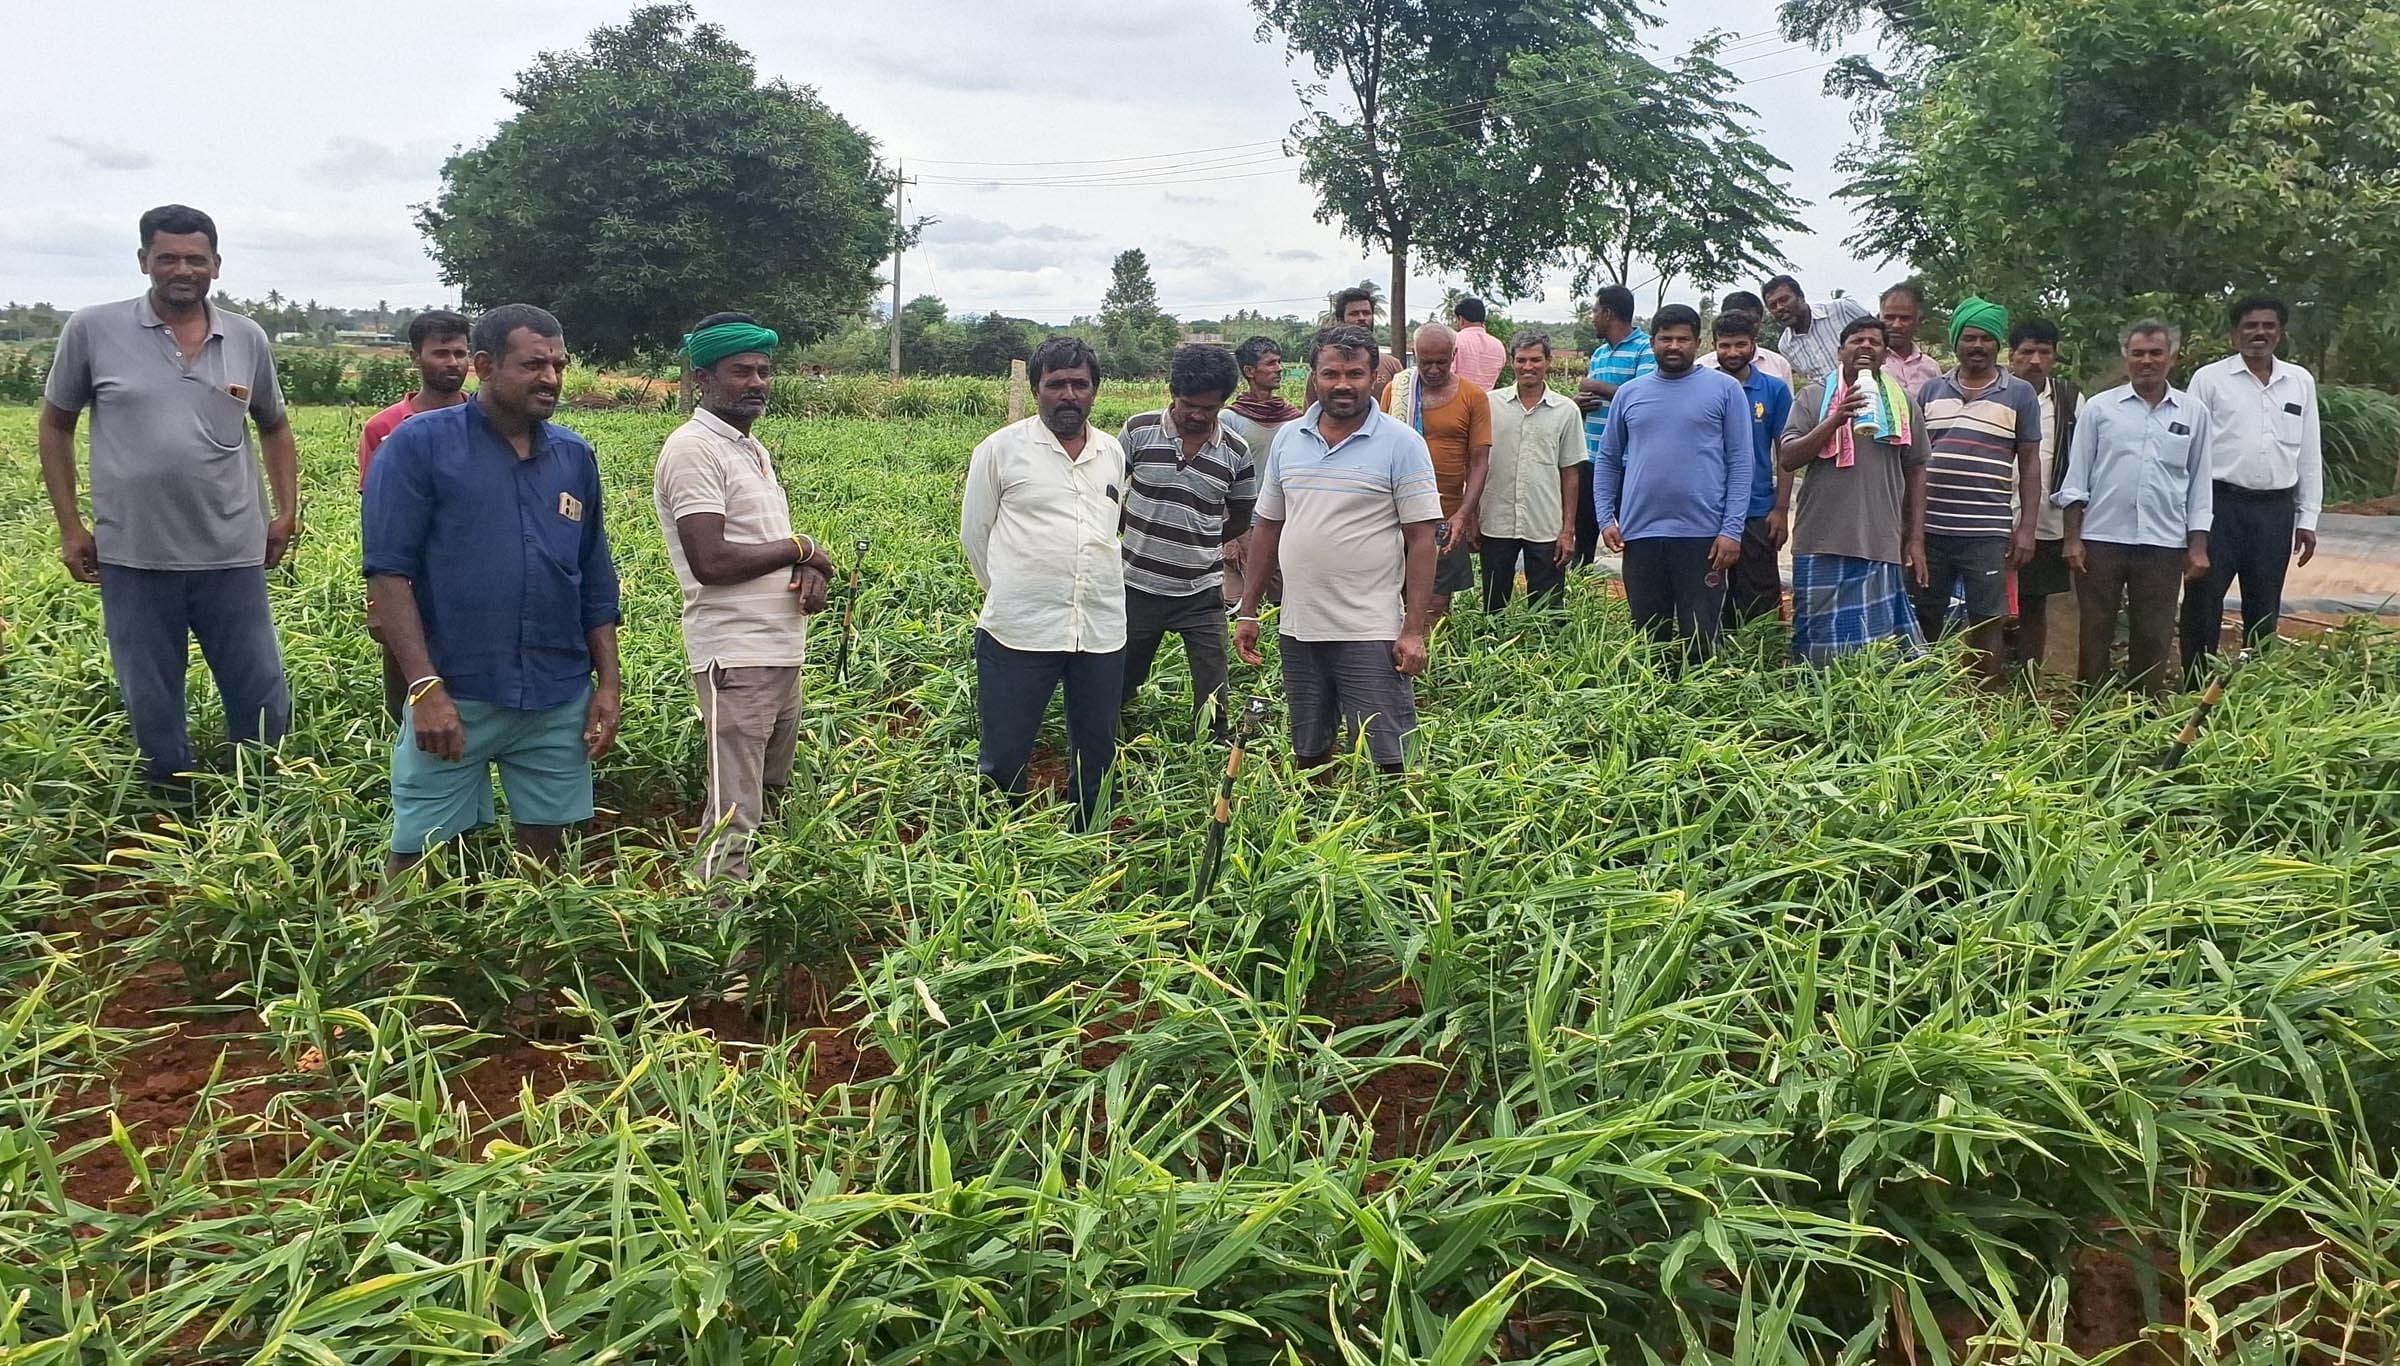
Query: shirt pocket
{"type": "Point", "coordinates": [220, 417]}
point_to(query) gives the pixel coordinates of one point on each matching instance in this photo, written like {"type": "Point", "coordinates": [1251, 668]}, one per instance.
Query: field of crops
{"type": "Point", "coordinates": [1749, 1017]}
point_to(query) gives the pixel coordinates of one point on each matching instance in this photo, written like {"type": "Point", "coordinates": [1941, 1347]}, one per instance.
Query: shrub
{"type": "Point", "coordinates": [2362, 442]}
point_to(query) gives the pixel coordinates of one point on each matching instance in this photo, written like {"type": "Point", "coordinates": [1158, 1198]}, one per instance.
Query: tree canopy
{"type": "Point", "coordinates": [648, 178]}
{"type": "Point", "coordinates": [2122, 156]}
{"type": "Point", "coordinates": [1494, 140]}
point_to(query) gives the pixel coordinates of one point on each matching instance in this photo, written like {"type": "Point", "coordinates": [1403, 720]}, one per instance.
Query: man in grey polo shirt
{"type": "Point", "coordinates": [181, 542]}
{"type": "Point", "coordinates": [1355, 488]}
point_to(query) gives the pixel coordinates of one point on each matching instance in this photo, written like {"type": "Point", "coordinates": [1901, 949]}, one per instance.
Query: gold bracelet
{"type": "Point", "coordinates": [419, 690]}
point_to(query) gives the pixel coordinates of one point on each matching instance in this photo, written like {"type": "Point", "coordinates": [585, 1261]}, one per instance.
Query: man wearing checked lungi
{"type": "Point", "coordinates": [1857, 441]}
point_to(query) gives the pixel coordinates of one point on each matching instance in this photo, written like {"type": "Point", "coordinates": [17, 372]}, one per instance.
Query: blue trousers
{"type": "Point", "coordinates": [152, 616]}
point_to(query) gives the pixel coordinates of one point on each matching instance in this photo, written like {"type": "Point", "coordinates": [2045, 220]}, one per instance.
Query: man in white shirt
{"type": "Point", "coordinates": [1039, 525]}
{"type": "Point", "coordinates": [749, 584]}
{"type": "Point", "coordinates": [1812, 336]}
{"type": "Point", "coordinates": [1537, 451]}
{"type": "Point", "coordinates": [2033, 358]}
{"type": "Point", "coordinates": [2268, 468]}
{"type": "Point", "coordinates": [1762, 360]}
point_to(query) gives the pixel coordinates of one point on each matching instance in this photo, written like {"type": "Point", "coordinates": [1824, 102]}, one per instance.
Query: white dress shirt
{"type": "Point", "coordinates": [2265, 436]}
{"type": "Point", "coordinates": [1040, 531]}
{"type": "Point", "coordinates": [1762, 360]}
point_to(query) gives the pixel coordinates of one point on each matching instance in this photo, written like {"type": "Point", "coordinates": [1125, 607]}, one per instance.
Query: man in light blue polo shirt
{"type": "Point", "coordinates": [1622, 354]}
{"type": "Point", "coordinates": [487, 553]}
{"type": "Point", "coordinates": [1355, 491]}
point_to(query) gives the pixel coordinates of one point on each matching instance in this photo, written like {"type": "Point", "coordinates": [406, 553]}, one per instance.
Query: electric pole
{"type": "Point", "coordinates": [900, 184]}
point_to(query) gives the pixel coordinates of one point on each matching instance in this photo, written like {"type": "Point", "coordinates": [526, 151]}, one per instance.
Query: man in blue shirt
{"type": "Point", "coordinates": [1671, 486]}
{"type": "Point", "coordinates": [2139, 503]}
{"type": "Point", "coordinates": [1621, 354]}
{"type": "Point", "coordinates": [1756, 593]}
{"type": "Point", "coordinates": [488, 560]}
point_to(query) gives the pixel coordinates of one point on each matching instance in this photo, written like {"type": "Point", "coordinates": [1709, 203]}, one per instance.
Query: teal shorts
{"type": "Point", "coordinates": [543, 769]}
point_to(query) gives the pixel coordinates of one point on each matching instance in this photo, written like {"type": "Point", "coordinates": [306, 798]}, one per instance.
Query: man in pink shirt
{"type": "Point", "coordinates": [1903, 307]}
{"type": "Point", "coordinates": [437, 346]}
{"type": "Point", "coordinates": [1479, 355]}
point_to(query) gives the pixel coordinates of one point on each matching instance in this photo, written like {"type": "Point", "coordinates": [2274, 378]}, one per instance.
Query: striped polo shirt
{"type": "Point", "coordinates": [1971, 482]}
{"type": "Point", "coordinates": [1179, 510]}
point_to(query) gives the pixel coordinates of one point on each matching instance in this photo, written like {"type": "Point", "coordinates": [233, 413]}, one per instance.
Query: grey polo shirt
{"type": "Point", "coordinates": [175, 482]}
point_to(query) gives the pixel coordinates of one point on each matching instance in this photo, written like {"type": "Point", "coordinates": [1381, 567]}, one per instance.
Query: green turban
{"type": "Point", "coordinates": [1981, 314]}
{"type": "Point", "coordinates": [712, 344]}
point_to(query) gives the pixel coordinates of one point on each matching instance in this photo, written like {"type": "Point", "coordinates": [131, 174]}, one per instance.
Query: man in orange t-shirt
{"type": "Point", "coordinates": [1455, 417]}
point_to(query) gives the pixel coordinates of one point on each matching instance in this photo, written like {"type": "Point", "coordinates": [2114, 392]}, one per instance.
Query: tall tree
{"type": "Point", "coordinates": [1132, 294]}
{"type": "Point", "coordinates": [1617, 160]}
{"type": "Point", "coordinates": [2115, 155]}
{"type": "Point", "coordinates": [1469, 135]}
{"type": "Point", "coordinates": [649, 177]}
{"type": "Point", "coordinates": [1136, 336]}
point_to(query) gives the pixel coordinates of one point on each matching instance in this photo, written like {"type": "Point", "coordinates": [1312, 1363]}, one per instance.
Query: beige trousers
{"type": "Point", "coordinates": [752, 718]}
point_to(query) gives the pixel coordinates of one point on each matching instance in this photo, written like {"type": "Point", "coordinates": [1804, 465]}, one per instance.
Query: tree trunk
{"type": "Point", "coordinates": [1399, 298]}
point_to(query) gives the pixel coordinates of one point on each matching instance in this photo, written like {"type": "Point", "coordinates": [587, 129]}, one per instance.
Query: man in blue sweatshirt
{"type": "Point", "coordinates": [1671, 486]}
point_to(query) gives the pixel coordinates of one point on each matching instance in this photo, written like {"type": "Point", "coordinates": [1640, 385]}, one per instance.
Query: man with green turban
{"type": "Point", "coordinates": [1983, 486]}
{"type": "Point", "coordinates": [749, 582]}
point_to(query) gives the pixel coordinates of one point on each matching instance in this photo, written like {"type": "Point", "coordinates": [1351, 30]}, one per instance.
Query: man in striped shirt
{"type": "Point", "coordinates": [1191, 486]}
{"type": "Point", "coordinates": [1983, 487]}
{"type": "Point", "coordinates": [1812, 336]}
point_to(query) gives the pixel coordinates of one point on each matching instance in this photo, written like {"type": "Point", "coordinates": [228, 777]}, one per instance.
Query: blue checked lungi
{"type": "Point", "coordinates": [1840, 605]}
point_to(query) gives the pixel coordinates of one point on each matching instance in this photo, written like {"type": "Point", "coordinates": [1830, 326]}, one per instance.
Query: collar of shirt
{"type": "Point", "coordinates": [538, 439]}
{"type": "Point", "coordinates": [1551, 398]}
{"type": "Point", "coordinates": [2175, 398]}
{"type": "Point", "coordinates": [1367, 430]}
{"type": "Point", "coordinates": [1043, 436]}
{"type": "Point", "coordinates": [2279, 370]}
{"type": "Point", "coordinates": [1165, 435]}
{"type": "Point", "coordinates": [726, 431]}
{"type": "Point", "coordinates": [146, 313]}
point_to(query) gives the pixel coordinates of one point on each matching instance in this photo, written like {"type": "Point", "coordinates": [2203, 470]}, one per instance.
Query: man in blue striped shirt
{"type": "Point", "coordinates": [1622, 354]}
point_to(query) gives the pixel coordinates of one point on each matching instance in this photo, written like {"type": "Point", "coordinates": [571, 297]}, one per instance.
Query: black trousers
{"type": "Point", "coordinates": [1674, 593]}
{"type": "Point", "coordinates": [1545, 578]}
{"type": "Point", "coordinates": [1012, 691]}
{"type": "Point", "coordinates": [1756, 593]}
{"type": "Point", "coordinates": [2251, 540]}
{"type": "Point", "coordinates": [1199, 618]}
{"type": "Point", "coordinates": [1587, 517]}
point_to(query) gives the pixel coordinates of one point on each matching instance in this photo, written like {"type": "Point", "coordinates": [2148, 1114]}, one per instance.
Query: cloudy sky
{"type": "Point", "coordinates": [309, 130]}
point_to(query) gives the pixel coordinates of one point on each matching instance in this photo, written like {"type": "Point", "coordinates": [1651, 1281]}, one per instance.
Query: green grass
{"type": "Point", "coordinates": [1756, 1016]}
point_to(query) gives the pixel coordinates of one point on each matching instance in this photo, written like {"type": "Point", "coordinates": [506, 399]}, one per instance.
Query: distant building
{"type": "Point", "coordinates": [365, 339]}
{"type": "Point", "coordinates": [1207, 338]}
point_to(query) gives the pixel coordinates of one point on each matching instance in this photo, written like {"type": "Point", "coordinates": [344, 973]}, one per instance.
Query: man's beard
{"type": "Point", "coordinates": [1064, 421]}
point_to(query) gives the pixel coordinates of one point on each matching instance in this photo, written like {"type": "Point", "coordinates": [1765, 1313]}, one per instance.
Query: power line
{"type": "Point", "coordinates": [1418, 119]}
{"type": "Point", "coordinates": [1419, 122]}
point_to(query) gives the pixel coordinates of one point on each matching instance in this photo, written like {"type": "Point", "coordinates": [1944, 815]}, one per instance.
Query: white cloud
{"type": "Point", "coordinates": [101, 156]}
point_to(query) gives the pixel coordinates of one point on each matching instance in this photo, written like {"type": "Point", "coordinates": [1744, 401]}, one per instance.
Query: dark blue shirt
{"type": "Point", "coordinates": [509, 556]}
{"type": "Point", "coordinates": [1770, 407]}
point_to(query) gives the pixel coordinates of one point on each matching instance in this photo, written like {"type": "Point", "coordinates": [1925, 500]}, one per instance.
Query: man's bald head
{"type": "Point", "coordinates": [1436, 346]}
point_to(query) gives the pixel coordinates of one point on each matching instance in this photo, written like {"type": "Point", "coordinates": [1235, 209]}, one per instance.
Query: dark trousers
{"type": "Point", "coordinates": [1674, 593]}
{"type": "Point", "coordinates": [1012, 691]}
{"type": "Point", "coordinates": [1545, 578]}
{"type": "Point", "coordinates": [1756, 593]}
{"type": "Point", "coordinates": [1200, 619]}
{"type": "Point", "coordinates": [2143, 582]}
{"type": "Point", "coordinates": [2251, 540]}
{"type": "Point", "coordinates": [151, 617]}
{"type": "Point", "coordinates": [1587, 517]}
